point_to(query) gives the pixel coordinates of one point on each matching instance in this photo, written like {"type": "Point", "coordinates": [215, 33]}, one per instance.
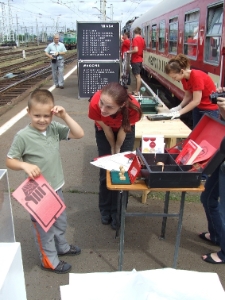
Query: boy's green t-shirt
{"type": "Point", "coordinates": [32, 146]}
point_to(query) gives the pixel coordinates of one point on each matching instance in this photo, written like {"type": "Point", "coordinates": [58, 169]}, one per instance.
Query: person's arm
{"type": "Point", "coordinates": [120, 139]}
{"type": "Point", "coordinates": [109, 135]}
{"type": "Point", "coordinates": [31, 170]}
{"type": "Point", "coordinates": [133, 50]}
{"type": "Point", "coordinates": [48, 55]}
{"type": "Point", "coordinates": [190, 101]}
{"type": "Point", "coordinates": [76, 132]}
{"type": "Point", "coordinates": [60, 53]}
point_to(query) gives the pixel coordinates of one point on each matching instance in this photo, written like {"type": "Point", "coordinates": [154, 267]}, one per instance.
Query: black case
{"type": "Point", "coordinates": [175, 176]}
{"type": "Point", "coordinates": [172, 176]}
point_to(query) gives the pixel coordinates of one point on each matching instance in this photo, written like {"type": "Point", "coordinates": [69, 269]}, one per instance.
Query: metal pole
{"type": "Point", "coordinates": [37, 33]}
{"type": "Point", "coordinates": [111, 5]}
{"type": "Point", "coordinates": [17, 28]}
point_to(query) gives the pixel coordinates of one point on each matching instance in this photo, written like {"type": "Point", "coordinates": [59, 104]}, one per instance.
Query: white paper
{"type": "Point", "coordinates": [160, 284]}
{"type": "Point", "coordinates": [113, 162]}
{"type": "Point", "coordinates": [152, 144]}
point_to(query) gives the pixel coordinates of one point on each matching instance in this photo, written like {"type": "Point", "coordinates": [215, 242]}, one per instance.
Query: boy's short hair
{"type": "Point", "coordinates": [137, 30]}
{"type": "Point", "coordinates": [40, 96]}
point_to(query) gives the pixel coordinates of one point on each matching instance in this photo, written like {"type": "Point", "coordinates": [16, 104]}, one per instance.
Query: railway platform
{"type": "Point", "coordinates": [100, 249]}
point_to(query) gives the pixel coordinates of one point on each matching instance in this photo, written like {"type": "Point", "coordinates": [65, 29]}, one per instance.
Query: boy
{"type": "Point", "coordinates": [35, 149]}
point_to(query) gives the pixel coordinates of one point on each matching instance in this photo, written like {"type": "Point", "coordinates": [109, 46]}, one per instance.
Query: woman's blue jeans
{"type": "Point", "coordinates": [197, 114]}
{"type": "Point", "coordinates": [213, 200]}
{"type": "Point", "coordinates": [108, 198]}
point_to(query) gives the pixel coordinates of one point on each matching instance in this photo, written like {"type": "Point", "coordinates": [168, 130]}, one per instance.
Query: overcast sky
{"type": "Point", "coordinates": [67, 12]}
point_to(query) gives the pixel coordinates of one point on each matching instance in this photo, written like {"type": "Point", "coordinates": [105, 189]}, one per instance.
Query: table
{"type": "Point", "coordinates": [141, 186]}
{"type": "Point", "coordinates": [170, 129]}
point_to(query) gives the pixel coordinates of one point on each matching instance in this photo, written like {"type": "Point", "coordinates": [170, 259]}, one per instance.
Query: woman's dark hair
{"type": "Point", "coordinates": [122, 99]}
{"type": "Point", "coordinates": [177, 63]}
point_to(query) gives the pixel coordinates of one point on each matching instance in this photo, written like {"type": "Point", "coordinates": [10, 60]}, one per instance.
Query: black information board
{"type": "Point", "coordinates": [92, 76]}
{"type": "Point", "coordinates": [98, 41]}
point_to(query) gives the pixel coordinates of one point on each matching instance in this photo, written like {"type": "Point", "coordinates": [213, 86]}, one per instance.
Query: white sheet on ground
{"type": "Point", "coordinates": [159, 284]}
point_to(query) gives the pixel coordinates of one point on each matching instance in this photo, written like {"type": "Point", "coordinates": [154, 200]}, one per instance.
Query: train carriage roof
{"type": "Point", "coordinates": [159, 9]}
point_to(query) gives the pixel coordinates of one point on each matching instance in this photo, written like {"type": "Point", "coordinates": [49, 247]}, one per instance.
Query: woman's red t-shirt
{"type": "Point", "coordinates": [200, 81]}
{"type": "Point", "coordinates": [113, 122]}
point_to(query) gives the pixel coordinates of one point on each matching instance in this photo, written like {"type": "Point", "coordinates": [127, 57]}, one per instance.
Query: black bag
{"type": "Point", "coordinates": [54, 60]}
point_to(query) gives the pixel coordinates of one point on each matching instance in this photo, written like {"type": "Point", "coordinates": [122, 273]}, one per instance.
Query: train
{"type": "Point", "coordinates": [70, 40]}
{"type": "Point", "coordinates": [195, 28]}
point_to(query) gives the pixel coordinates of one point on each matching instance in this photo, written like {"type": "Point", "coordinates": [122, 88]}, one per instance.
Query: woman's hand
{"type": "Point", "coordinates": [113, 150]}
{"type": "Point", "coordinates": [117, 149]}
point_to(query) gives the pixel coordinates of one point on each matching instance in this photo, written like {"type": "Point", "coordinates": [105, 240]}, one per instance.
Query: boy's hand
{"type": "Point", "coordinates": [31, 170]}
{"type": "Point", "coordinates": [59, 111]}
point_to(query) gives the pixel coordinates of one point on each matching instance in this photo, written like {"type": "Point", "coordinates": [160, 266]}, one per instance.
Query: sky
{"type": "Point", "coordinates": [60, 14]}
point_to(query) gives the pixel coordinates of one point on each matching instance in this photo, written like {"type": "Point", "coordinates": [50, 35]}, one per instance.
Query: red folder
{"type": "Point", "coordinates": [40, 200]}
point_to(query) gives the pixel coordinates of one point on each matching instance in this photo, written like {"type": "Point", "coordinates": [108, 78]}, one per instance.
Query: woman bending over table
{"type": "Point", "coordinates": [115, 113]}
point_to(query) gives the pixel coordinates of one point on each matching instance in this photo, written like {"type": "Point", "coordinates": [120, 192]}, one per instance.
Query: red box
{"type": "Point", "coordinates": [208, 133]}
{"type": "Point", "coordinates": [130, 175]}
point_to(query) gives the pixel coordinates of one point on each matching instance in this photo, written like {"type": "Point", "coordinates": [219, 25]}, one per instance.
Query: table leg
{"type": "Point", "coordinates": [177, 244]}
{"type": "Point", "coordinates": [137, 143]}
{"type": "Point", "coordinates": [118, 213]}
{"type": "Point", "coordinates": [122, 228]}
{"type": "Point", "coordinates": [144, 196]}
{"type": "Point", "coordinates": [171, 142]}
{"type": "Point", "coordinates": [166, 206]}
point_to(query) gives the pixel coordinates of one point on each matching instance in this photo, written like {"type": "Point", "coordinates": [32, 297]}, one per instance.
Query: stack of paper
{"type": "Point", "coordinates": [160, 284]}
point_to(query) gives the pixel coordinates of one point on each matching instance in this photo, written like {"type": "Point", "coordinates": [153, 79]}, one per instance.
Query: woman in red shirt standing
{"type": "Point", "coordinates": [115, 114]}
{"type": "Point", "coordinates": [197, 88]}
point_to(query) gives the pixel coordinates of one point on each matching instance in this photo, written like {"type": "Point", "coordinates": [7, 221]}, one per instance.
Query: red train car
{"type": "Point", "coordinates": [193, 27]}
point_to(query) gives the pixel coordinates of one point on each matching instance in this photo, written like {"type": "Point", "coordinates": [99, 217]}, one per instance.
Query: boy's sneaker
{"type": "Point", "coordinates": [62, 268]}
{"type": "Point", "coordinates": [74, 250]}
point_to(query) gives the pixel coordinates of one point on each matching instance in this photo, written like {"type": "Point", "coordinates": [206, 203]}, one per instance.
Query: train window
{"type": "Point", "coordinates": [173, 35]}
{"type": "Point", "coordinates": [148, 36]}
{"type": "Point", "coordinates": [213, 34]}
{"type": "Point", "coordinates": [191, 27]}
{"type": "Point", "coordinates": [154, 28]}
{"type": "Point", "coordinates": [162, 31]}
{"type": "Point", "coordinates": [143, 33]}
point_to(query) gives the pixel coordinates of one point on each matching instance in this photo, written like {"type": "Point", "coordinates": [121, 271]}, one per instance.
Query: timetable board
{"type": "Point", "coordinates": [92, 76]}
{"type": "Point", "coordinates": [98, 41]}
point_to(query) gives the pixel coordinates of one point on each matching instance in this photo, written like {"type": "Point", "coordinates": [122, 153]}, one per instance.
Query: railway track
{"type": "Point", "coordinates": [17, 68]}
{"type": "Point", "coordinates": [12, 55]}
{"type": "Point", "coordinates": [12, 88]}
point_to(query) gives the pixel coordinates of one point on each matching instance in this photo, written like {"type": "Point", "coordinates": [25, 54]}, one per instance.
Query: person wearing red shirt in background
{"type": "Point", "coordinates": [125, 44]}
{"type": "Point", "coordinates": [197, 88]}
{"type": "Point", "coordinates": [115, 114]}
{"type": "Point", "coordinates": [138, 45]}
